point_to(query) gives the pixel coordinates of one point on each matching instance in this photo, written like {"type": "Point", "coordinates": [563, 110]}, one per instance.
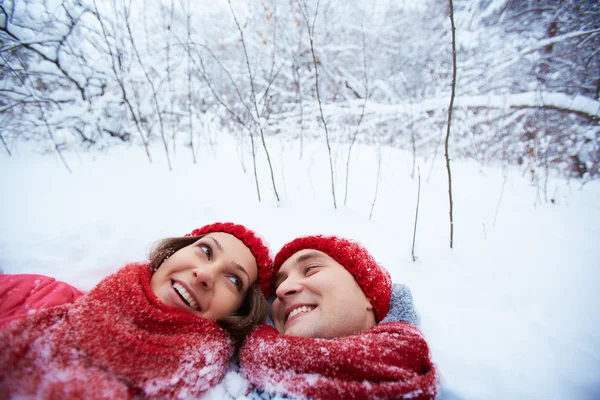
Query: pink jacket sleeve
{"type": "Point", "coordinates": [22, 293]}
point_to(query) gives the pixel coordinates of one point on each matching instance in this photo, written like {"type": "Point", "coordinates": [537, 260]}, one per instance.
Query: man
{"type": "Point", "coordinates": [335, 334]}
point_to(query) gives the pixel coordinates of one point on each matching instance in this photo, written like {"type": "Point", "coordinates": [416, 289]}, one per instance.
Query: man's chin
{"type": "Point", "coordinates": [302, 330]}
{"type": "Point", "coordinates": [297, 333]}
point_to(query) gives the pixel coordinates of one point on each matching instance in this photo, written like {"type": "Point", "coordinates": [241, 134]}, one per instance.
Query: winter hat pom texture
{"type": "Point", "coordinates": [257, 247]}
{"type": "Point", "coordinates": [373, 279]}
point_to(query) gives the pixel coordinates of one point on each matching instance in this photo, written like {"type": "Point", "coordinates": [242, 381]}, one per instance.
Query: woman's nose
{"type": "Point", "coordinates": [204, 276]}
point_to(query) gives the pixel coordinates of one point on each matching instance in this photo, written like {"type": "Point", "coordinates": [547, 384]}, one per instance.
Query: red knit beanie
{"type": "Point", "coordinates": [373, 279]}
{"type": "Point", "coordinates": [257, 247]}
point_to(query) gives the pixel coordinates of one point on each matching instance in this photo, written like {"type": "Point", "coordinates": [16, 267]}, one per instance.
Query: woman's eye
{"type": "Point", "coordinates": [236, 281]}
{"type": "Point", "coordinates": [206, 250]}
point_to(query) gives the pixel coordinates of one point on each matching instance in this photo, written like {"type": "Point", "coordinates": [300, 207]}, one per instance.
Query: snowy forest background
{"type": "Point", "coordinates": [126, 121]}
{"type": "Point", "coordinates": [81, 74]}
{"type": "Point", "coordinates": [326, 116]}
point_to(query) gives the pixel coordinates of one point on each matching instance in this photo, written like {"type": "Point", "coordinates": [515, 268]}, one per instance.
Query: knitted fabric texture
{"type": "Point", "coordinates": [389, 361]}
{"type": "Point", "coordinates": [373, 279]}
{"type": "Point", "coordinates": [402, 308]}
{"type": "Point", "coordinates": [257, 247]}
{"type": "Point", "coordinates": [117, 341]}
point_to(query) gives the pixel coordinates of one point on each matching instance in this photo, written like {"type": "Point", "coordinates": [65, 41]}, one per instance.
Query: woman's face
{"type": "Point", "coordinates": [209, 278]}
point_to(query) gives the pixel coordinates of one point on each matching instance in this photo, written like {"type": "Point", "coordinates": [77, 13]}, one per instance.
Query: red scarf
{"type": "Point", "coordinates": [389, 361]}
{"type": "Point", "coordinates": [118, 341]}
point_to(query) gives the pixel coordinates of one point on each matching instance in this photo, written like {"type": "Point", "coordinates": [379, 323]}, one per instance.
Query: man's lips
{"type": "Point", "coordinates": [295, 311]}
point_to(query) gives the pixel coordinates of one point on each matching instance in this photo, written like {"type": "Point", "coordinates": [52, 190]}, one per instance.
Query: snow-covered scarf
{"type": "Point", "coordinates": [388, 361]}
{"type": "Point", "coordinates": [117, 341]}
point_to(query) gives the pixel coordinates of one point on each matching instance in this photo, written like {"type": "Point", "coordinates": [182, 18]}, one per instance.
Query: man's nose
{"type": "Point", "coordinates": [288, 287]}
{"type": "Point", "coordinates": [204, 276]}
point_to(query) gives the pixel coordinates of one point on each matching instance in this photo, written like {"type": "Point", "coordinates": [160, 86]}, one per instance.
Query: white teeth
{"type": "Point", "coordinates": [299, 310]}
{"type": "Point", "coordinates": [184, 293]}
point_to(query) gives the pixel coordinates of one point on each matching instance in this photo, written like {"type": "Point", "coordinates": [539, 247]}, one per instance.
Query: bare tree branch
{"type": "Point", "coordinates": [188, 18]}
{"type": "Point", "coordinates": [258, 114]}
{"type": "Point", "coordinates": [377, 179]}
{"type": "Point", "coordinates": [312, 50]}
{"type": "Point", "coordinates": [5, 145]}
{"type": "Point", "coordinates": [42, 114]}
{"type": "Point", "coordinates": [450, 121]}
{"type": "Point", "coordinates": [57, 63]}
{"type": "Point", "coordinates": [362, 114]}
{"type": "Point", "coordinates": [120, 82]}
{"type": "Point", "coordinates": [202, 69]}
{"type": "Point", "coordinates": [154, 92]}
{"type": "Point", "coordinates": [414, 258]}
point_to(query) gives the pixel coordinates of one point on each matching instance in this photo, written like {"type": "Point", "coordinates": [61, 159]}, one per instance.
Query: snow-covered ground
{"type": "Point", "coordinates": [509, 312]}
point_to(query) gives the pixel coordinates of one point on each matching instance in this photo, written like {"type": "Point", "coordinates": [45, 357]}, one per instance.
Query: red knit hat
{"type": "Point", "coordinates": [373, 279]}
{"type": "Point", "coordinates": [257, 247]}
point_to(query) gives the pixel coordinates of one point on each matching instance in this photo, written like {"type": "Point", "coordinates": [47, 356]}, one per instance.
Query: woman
{"type": "Point", "coordinates": [163, 329]}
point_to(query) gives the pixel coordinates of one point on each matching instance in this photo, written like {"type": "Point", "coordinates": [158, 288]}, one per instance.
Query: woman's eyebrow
{"type": "Point", "coordinates": [216, 243]}
{"type": "Point", "coordinates": [238, 266]}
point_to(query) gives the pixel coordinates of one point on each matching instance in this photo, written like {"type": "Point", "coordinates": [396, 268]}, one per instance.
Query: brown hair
{"type": "Point", "coordinates": [253, 310]}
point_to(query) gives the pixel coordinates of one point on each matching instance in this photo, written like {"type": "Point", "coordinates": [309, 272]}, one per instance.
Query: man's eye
{"type": "Point", "coordinates": [206, 250]}
{"type": "Point", "coordinates": [311, 270]}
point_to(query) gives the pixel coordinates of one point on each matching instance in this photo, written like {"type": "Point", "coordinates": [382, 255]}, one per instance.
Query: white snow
{"type": "Point", "coordinates": [509, 313]}
{"type": "Point", "coordinates": [577, 103]}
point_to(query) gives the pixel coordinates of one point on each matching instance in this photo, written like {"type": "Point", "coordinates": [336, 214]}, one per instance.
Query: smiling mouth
{"type": "Point", "coordinates": [185, 296]}
{"type": "Point", "coordinates": [299, 310]}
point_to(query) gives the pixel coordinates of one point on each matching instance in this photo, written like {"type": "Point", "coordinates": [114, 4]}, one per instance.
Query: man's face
{"type": "Point", "coordinates": [318, 298]}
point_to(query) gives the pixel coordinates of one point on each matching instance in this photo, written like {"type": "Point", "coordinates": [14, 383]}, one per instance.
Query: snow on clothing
{"type": "Point", "coordinates": [388, 361]}
{"type": "Point", "coordinates": [21, 294]}
{"type": "Point", "coordinates": [280, 375]}
{"type": "Point", "coordinates": [117, 341]}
